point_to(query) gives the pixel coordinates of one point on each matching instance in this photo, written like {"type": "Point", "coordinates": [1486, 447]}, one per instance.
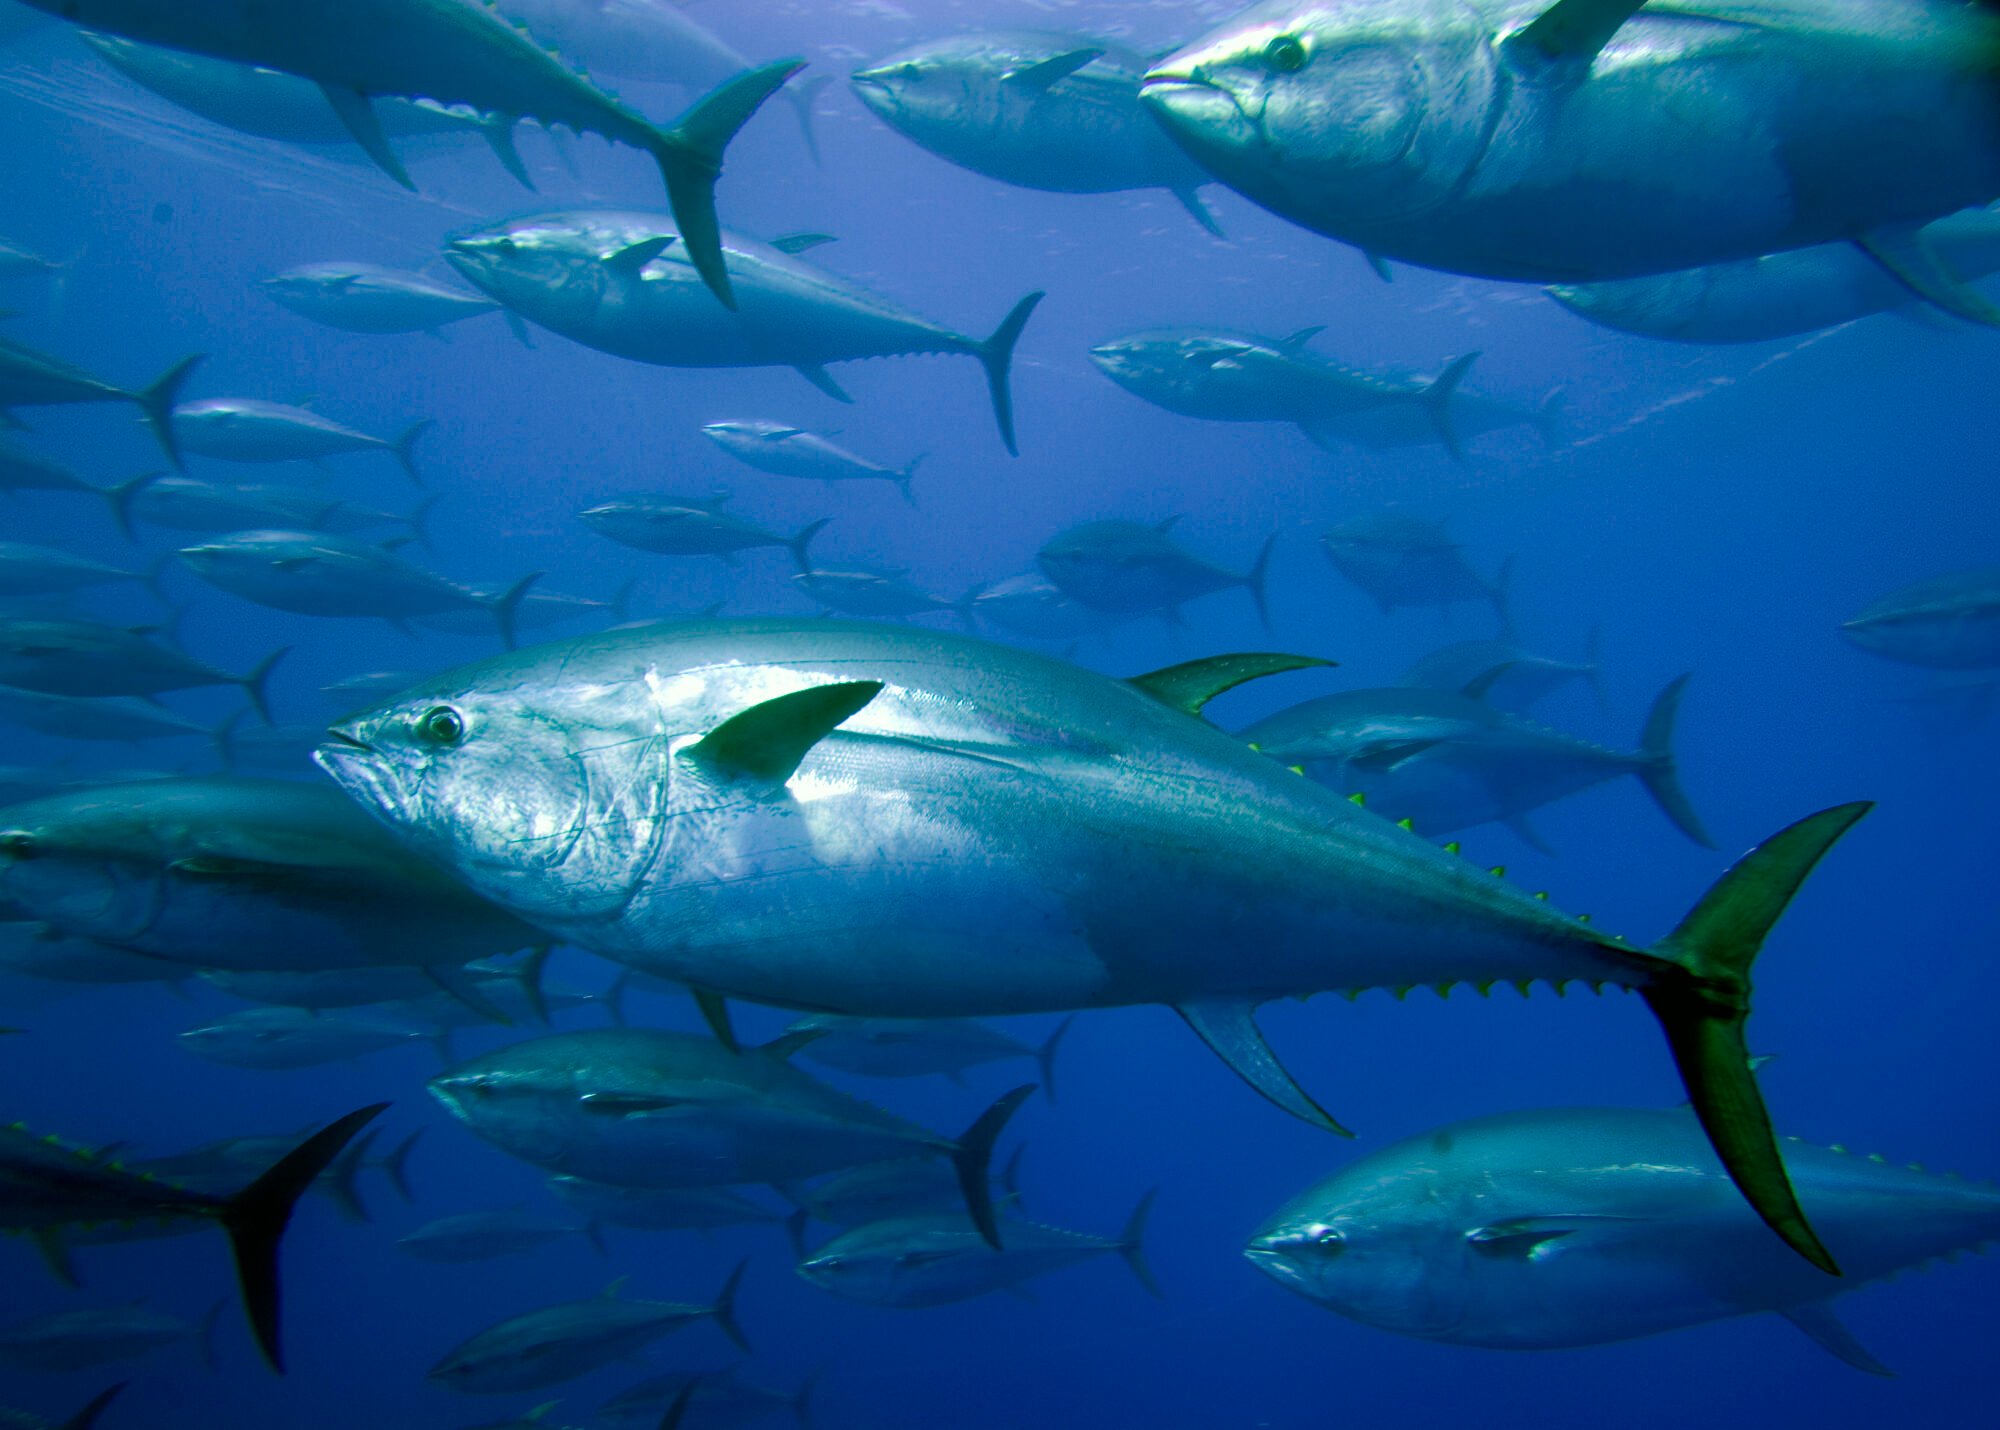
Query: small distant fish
{"type": "Point", "coordinates": [360, 987]}
{"type": "Point", "coordinates": [34, 379]}
{"type": "Point", "coordinates": [1406, 561]}
{"type": "Point", "coordinates": [246, 429]}
{"type": "Point", "coordinates": [70, 1341]}
{"type": "Point", "coordinates": [71, 657]}
{"type": "Point", "coordinates": [190, 504]}
{"type": "Point", "coordinates": [685, 526]}
{"type": "Point", "coordinates": [279, 1038]}
{"type": "Point", "coordinates": [717, 1399]}
{"type": "Point", "coordinates": [1947, 623]}
{"type": "Point", "coordinates": [100, 717]}
{"type": "Point", "coordinates": [652, 1109]}
{"type": "Point", "coordinates": [537, 611]}
{"type": "Point", "coordinates": [919, 1047]}
{"type": "Point", "coordinates": [559, 1343]}
{"type": "Point", "coordinates": [936, 1260]}
{"type": "Point", "coordinates": [788, 451]}
{"type": "Point", "coordinates": [1031, 605]}
{"type": "Point", "coordinates": [1523, 678]}
{"type": "Point", "coordinates": [1129, 567]}
{"type": "Point", "coordinates": [1448, 761]}
{"type": "Point", "coordinates": [663, 1208]}
{"type": "Point", "coordinates": [19, 262]}
{"type": "Point", "coordinates": [27, 569]}
{"type": "Point", "coordinates": [316, 573]}
{"type": "Point", "coordinates": [218, 1166]}
{"type": "Point", "coordinates": [881, 1191]}
{"type": "Point", "coordinates": [46, 1187]}
{"type": "Point", "coordinates": [877, 594]}
{"type": "Point", "coordinates": [480, 1236]}
{"type": "Point", "coordinates": [367, 298]}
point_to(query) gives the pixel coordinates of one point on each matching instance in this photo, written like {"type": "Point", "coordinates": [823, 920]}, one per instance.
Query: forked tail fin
{"type": "Point", "coordinates": [1701, 995]}
{"type": "Point", "coordinates": [256, 1217]}
{"type": "Point", "coordinates": [1659, 773]}
{"type": "Point", "coordinates": [972, 1159]}
{"type": "Point", "coordinates": [1131, 1244]}
{"type": "Point", "coordinates": [723, 1312]}
{"type": "Point", "coordinates": [157, 402]}
{"type": "Point", "coordinates": [996, 355]}
{"type": "Point", "coordinates": [690, 159]}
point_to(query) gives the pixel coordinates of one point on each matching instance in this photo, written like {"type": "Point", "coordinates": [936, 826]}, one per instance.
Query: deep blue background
{"type": "Point", "coordinates": [1721, 513]}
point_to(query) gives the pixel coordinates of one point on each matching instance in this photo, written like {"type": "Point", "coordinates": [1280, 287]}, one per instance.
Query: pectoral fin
{"type": "Point", "coordinates": [1229, 1027]}
{"type": "Point", "coordinates": [822, 379]}
{"type": "Point", "coordinates": [1817, 1320]}
{"type": "Point", "coordinates": [624, 1104]}
{"type": "Point", "coordinates": [800, 242]}
{"type": "Point", "coordinates": [633, 257]}
{"type": "Point", "coordinates": [765, 743]}
{"type": "Point", "coordinates": [1906, 257]}
{"type": "Point", "coordinates": [1518, 826]}
{"type": "Point", "coordinates": [1192, 684]}
{"type": "Point", "coordinates": [455, 980]}
{"type": "Point", "coordinates": [1048, 72]}
{"type": "Point", "coordinates": [357, 111]}
{"type": "Point", "coordinates": [1383, 758]}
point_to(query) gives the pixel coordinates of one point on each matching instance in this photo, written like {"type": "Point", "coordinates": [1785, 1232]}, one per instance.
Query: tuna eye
{"type": "Point", "coordinates": [1329, 1242]}
{"type": "Point", "coordinates": [1286, 54]}
{"type": "Point", "coordinates": [17, 844]}
{"type": "Point", "coordinates": [441, 725]}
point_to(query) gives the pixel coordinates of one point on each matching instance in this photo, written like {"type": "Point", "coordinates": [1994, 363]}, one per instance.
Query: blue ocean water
{"type": "Point", "coordinates": [1717, 511]}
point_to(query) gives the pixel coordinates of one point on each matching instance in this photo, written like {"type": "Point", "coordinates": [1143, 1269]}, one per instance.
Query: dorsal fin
{"type": "Point", "coordinates": [1192, 684]}
{"type": "Point", "coordinates": [1294, 342]}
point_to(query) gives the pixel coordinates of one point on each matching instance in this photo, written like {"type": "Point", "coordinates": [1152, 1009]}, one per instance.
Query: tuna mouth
{"type": "Point", "coordinates": [341, 742]}
{"type": "Point", "coordinates": [1195, 107]}
{"type": "Point", "coordinates": [872, 87]}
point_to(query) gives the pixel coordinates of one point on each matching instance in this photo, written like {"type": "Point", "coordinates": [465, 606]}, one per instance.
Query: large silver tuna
{"type": "Point", "coordinates": [368, 298]}
{"type": "Point", "coordinates": [248, 429]}
{"type": "Point", "coordinates": [453, 52]}
{"type": "Point", "coordinates": [1593, 139]}
{"type": "Point", "coordinates": [621, 282]}
{"type": "Point", "coordinates": [1043, 111]}
{"type": "Point", "coordinates": [69, 657]}
{"type": "Point", "coordinates": [787, 451]}
{"type": "Point", "coordinates": [900, 822]}
{"type": "Point", "coordinates": [1580, 1226]}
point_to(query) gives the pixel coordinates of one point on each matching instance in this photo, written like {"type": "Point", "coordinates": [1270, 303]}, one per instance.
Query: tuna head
{"type": "Point", "coordinates": [1194, 374]}
{"type": "Point", "coordinates": [927, 91]}
{"type": "Point", "coordinates": [81, 863]}
{"type": "Point", "coordinates": [545, 796]}
{"type": "Point", "coordinates": [1376, 1250]}
{"type": "Point", "coordinates": [546, 268]}
{"type": "Point", "coordinates": [1340, 114]}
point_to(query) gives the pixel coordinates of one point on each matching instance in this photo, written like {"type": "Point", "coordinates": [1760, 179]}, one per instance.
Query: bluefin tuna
{"type": "Point", "coordinates": [245, 874]}
{"type": "Point", "coordinates": [1585, 140]}
{"type": "Point", "coordinates": [25, 471]}
{"type": "Point", "coordinates": [559, 1343]}
{"type": "Point", "coordinates": [640, 1108]}
{"type": "Point", "coordinates": [190, 504]}
{"type": "Point", "coordinates": [787, 451]}
{"type": "Point", "coordinates": [878, 594]}
{"type": "Point", "coordinates": [690, 526]}
{"type": "Point", "coordinates": [102, 717]}
{"type": "Point", "coordinates": [886, 1191]}
{"type": "Point", "coordinates": [1130, 568]}
{"type": "Point", "coordinates": [1780, 295]}
{"type": "Point", "coordinates": [28, 569]}
{"type": "Point", "coordinates": [317, 573]}
{"type": "Point", "coordinates": [70, 1341]}
{"type": "Point", "coordinates": [368, 298]}
{"type": "Point", "coordinates": [1446, 761]}
{"type": "Point", "coordinates": [282, 1038]}
{"type": "Point", "coordinates": [922, 1047]}
{"type": "Point", "coordinates": [936, 1260]}
{"type": "Point", "coordinates": [36, 950]}
{"type": "Point", "coordinates": [1519, 677]}
{"type": "Point", "coordinates": [1040, 111]}
{"type": "Point", "coordinates": [664, 1208]}
{"type": "Point", "coordinates": [1947, 623]}
{"type": "Point", "coordinates": [1407, 561]}
{"type": "Point", "coordinates": [358, 51]}
{"type": "Point", "coordinates": [481, 1236]}
{"type": "Point", "coordinates": [46, 1187]}
{"type": "Point", "coordinates": [247, 429]}
{"type": "Point", "coordinates": [35, 379]}
{"type": "Point", "coordinates": [1582, 1226]}
{"type": "Point", "coordinates": [1033, 606]}
{"type": "Point", "coordinates": [1224, 376]}
{"type": "Point", "coordinates": [718, 1399]}
{"type": "Point", "coordinates": [896, 822]}
{"type": "Point", "coordinates": [622, 283]}
{"type": "Point", "coordinates": [71, 657]}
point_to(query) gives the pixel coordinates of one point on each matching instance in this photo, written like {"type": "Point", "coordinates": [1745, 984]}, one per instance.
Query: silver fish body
{"type": "Point", "coordinates": [1946, 623]}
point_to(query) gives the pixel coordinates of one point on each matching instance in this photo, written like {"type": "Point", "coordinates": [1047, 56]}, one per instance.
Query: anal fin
{"type": "Point", "coordinates": [1818, 1321]}
{"type": "Point", "coordinates": [1229, 1027]}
